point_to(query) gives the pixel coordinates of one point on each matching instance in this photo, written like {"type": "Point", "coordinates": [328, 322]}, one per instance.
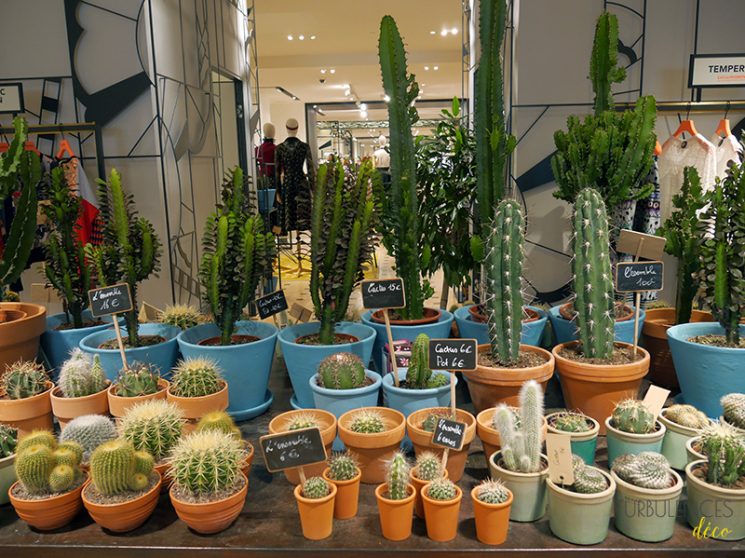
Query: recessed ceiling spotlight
{"type": "Point", "coordinates": [454, 31]}
{"type": "Point", "coordinates": [301, 37]}
{"type": "Point", "coordinates": [323, 70]}
{"type": "Point", "coordinates": [443, 33]}
{"type": "Point", "coordinates": [312, 37]}
{"type": "Point", "coordinates": [386, 98]}
{"type": "Point", "coordinates": [433, 32]}
{"type": "Point", "coordinates": [363, 113]}
{"type": "Point", "coordinates": [332, 70]}
{"type": "Point", "coordinates": [435, 68]}
{"type": "Point", "coordinates": [289, 37]}
{"type": "Point", "coordinates": [363, 106]}
{"type": "Point", "coordinates": [424, 84]}
{"type": "Point", "coordinates": [426, 68]}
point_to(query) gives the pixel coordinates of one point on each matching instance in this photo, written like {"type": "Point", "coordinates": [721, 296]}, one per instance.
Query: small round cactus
{"type": "Point", "coordinates": [734, 409]}
{"type": "Point", "coordinates": [342, 371]}
{"type": "Point", "coordinates": [492, 491]}
{"type": "Point", "coordinates": [206, 462]}
{"type": "Point", "coordinates": [23, 379]}
{"type": "Point", "coordinates": [315, 488]}
{"type": "Point", "coordinates": [302, 420]}
{"type": "Point", "coordinates": [442, 489]}
{"type": "Point", "coordinates": [81, 375]}
{"type": "Point", "coordinates": [90, 431]}
{"type": "Point", "coordinates": [61, 478]}
{"type": "Point", "coordinates": [117, 468]}
{"type": "Point", "coordinates": [428, 466]}
{"type": "Point", "coordinates": [632, 416]}
{"type": "Point", "coordinates": [196, 377]}
{"type": "Point", "coordinates": [182, 316]}
{"type": "Point", "coordinates": [74, 447]}
{"type": "Point", "coordinates": [570, 421]}
{"type": "Point", "coordinates": [8, 440]}
{"type": "Point", "coordinates": [342, 466]}
{"type": "Point", "coordinates": [430, 421]}
{"type": "Point", "coordinates": [687, 415]}
{"type": "Point", "coordinates": [367, 421]}
{"type": "Point", "coordinates": [398, 477]}
{"type": "Point", "coordinates": [137, 380]}
{"type": "Point", "coordinates": [587, 480]}
{"type": "Point", "coordinates": [44, 470]}
{"type": "Point", "coordinates": [438, 380]}
{"type": "Point", "coordinates": [153, 426]}
{"type": "Point", "coordinates": [645, 470]}
{"type": "Point", "coordinates": [35, 438]}
{"type": "Point", "coordinates": [220, 421]}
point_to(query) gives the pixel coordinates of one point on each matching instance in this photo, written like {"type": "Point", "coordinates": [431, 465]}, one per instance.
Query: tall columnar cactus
{"type": "Point", "coordinates": [502, 270]}
{"type": "Point", "coordinates": [419, 375]}
{"type": "Point", "coordinates": [116, 468]}
{"type": "Point", "coordinates": [237, 254]}
{"type": "Point", "coordinates": [89, 431]}
{"type": "Point", "coordinates": [42, 470]}
{"type": "Point", "coordinates": [587, 480]}
{"type": "Point", "coordinates": [402, 91]}
{"type": "Point", "coordinates": [8, 440]}
{"type": "Point", "coordinates": [81, 375]}
{"type": "Point", "coordinates": [521, 445]}
{"type": "Point", "coordinates": [139, 379]}
{"type": "Point", "coordinates": [645, 470]}
{"type": "Point", "coordinates": [725, 452]}
{"type": "Point", "coordinates": [722, 272]}
{"type": "Point", "coordinates": [734, 409]}
{"type": "Point", "coordinates": [687, 415]}
{"type": "Point", "coordinates": [397, 477]}
{"type": "Point", "coordinates": [428, 466]}
{"type": "Point", "coordinates": [153, 426]}
{"type": "Point", "coordinates": [341, 240]}
{"type": "Point", "coordinates": [181, 315]}
{"type": "Point", "coordinates": [342, 371]}
{"type": "Point", "coordinates": [604, 68]}
{"type": "Point", "coordinates": [23, 379]}
{"type": "Point", "coordinates": [206, 462]}
{"type": "Point", "coordinates": [592, 276]}
{"type": "Point", "coordinates": [196, 377]}
{"type": "Point", "coordinates": [633, 416]}
{"type": "Point", "coordinates": [343, 466]}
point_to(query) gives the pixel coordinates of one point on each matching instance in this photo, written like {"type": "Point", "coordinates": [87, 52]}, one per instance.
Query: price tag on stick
{"type": "Point", "coordinates": [655, 399]}
{"type": "Point", "coordinates": [271, 304]}
{"type": "Point", "coordinates": [385, 294]}
{"type": "Point", "coordinates": [453, 354]}
{"type": "Point", "coordinates": [449, 434]}
{"type": "Point", "coordinates": [632, 277]}
{"type": "Point", "coordinates": [110, 301]}
{"type": "Point", "coordinates": [559, 450]}
{"type": "Point", "coordinates": [291, 450]}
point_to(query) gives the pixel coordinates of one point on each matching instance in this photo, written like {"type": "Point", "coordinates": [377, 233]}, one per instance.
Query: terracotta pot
{"type": "Point", "coordinates": [125, 516]}
{"type": "Point", "coordinates": [431, 315]}
{"type": "Point", "coordinates": [441, 516]}
{"type": "Point", "coordinates": [327, 422]}
{"type": "Point", "coordinates": [396, 516]}
{"type": "Point", "coordinates": [195, 408]}
{"type": "Point", "coordinates": [118, 406]}
{"type": "Point", "coordinates": [594, 389]}
{"type": "Point", "coordinates": [492, 520]}
{"type": "Point", "coordinates": [317, 515]}
{"type": "Point", "coordinates": [210, 517]}
{"type": "Point", "coordinates": [489, 435]}
{"type": "Point", "coordinates": [490, 386]}
{"type": "Point", "coordinates": [32, 413]}
{"type": "Point", "coordinates": [68, 408]}
{"type": "Point", "coordinates": [422, 439]}
{"type": "Point", "coordinates": [49, 513]}
{"type": "Point", "coordinates": [373, 451]}
{"type": "Point", "coordinates": [167, 481]}
{"type": "Point", "coordinates": [19, 338]}
{"type": "Point", "coordinates": [11, 315]}
{"type": "Point", "coordinates": [418, 486]}
{"type": "Point", "coordinates": [249, 459]}
{"type": "Point", "coordinates": [347, 495]}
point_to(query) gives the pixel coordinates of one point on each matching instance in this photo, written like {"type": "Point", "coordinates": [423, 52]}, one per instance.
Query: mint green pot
{"type": "Point", "coordinates": [674, 442]}
{"type": "Point", "coordinates": [7, 477]}
{"type": "Point", "coordinates": [691, 453]}
{"type": "Point", "coordinates": [622, 443]}
{"type": "Point", "coordinates": [715, 507]}
{"type": "Point", "coordinates": [528, 489]}
{"type": "Point", "coordinates": [583, 443]}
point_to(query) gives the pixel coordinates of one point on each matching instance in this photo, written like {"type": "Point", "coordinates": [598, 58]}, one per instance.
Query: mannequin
{"type": "Point", "coordinates": [381, 156]}
{"type": "Point", "coordinates": [265, 153]}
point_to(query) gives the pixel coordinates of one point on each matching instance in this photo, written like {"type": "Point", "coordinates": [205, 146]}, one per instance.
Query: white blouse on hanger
{"type": "Point", "coordinates": [728, 149]}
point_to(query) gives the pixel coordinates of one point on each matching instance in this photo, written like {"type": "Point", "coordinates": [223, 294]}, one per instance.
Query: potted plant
{"type": "Point", "coordinates": [47, 492]}
{"type": "Point", "coordinates": [8, 439]}
{"type": "Point", "coordinates": [341, 243]}
{"type": "Point", "coordinates": [682, 422]}
{"type": "Point", "coordinates": [632, 429]}
{"type": "Point", "coordinates": [519, 463]}
{"type": "Point", "coordinates": [733, 405]}
{"type": "Point", "coordinates": [315, 503]}
{"type": "Point", "coordinates": [647, 495]}
{"type": "Point", "coordinates": [395, 500]}
{"type": "Point", "coordinates": [580, 512]}
{"type": "Point", "coordinates": [428, 467]}
{"type": "Point", "coordinates": [123, 489]}
{"type": "Point", "coordinates": [209, 490]}
{"type": "Point", "coordinates": [81, 389]}
{"type": "Point", "coordinates": [596, 371]}
{"type": "Point", "coordinates": [582, 430]}
{"type": "Point", "coordinates": [717, 484]}
{"type": "Point", "coordinates": [134, 385]}
{"type": "Point", "coordinates": [344, 472]}
{"type": "Point", "coordinates": [183, 316]}
{"type": "Point", "coordinates": [373, 434]}
{"type": "Point", "coordinates": [236, 255]}
{"type": "Point", "coordinates": [89, 432]}
{"type": "Point", "coordinates": [197, 387]}
{"type": "Point", "coordinates": [709, 356]}
{"type": "Point", "coordinates": [491, 511]}
{"type": "Point", "coordinates": [223, 422]}
{"type": "Point", "coordinates": [441, 507]}
{"type": "Point", "coordinates": [488, 433]}
{"type": "Point", "coordinates": [24, 397]}
{"type": "Point", "coordinates": [21, 323]}
{"type": "Point", "coordinates": [694, 449]}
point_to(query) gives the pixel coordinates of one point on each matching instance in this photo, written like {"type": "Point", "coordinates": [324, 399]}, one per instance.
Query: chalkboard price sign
{"type": "Point", "coordinates": [634, 277]}
{"type": "Point", "coordinates": [453, 354]}
{"type": "Point", "coordinates": [113, 299]}
{"type": "Point", "coordinates": [449, 434]}
{"type": "Point", "coordinates": [296, 448]}
{"type": "Point", "coordinates": [271, 304]}
{"type": "Point", "coordinates": [383, 293]}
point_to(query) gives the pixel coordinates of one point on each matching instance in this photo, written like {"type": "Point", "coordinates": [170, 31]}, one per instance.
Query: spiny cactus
{"type": "Point", "coordinates": [493, 492]}
{"type": "Point", "coordinates": [196, 377]}
{"type": "Point", "coordinates": [725, 452]}
{"type": "Point", "coordinates": [206, 462]}
{"type": "Point", "coordinates": [343, 466]}
{"type": "Point", "coordinates": [428, 466]}
{"type": "Point", "coordinates": [570, 421]}
{"type": "Point", "coordinates": [316, 488]}
{"type": "Point", "coordinates": [367, 421]}
{"type": "Point", "coordinates": [73, 451]}
{"type": "Point", "coordinates": [137, 380]}
{"type": "Point", "coordinates": [23, 379]}
{"type": "Point", "coordinates": [236, 254]}
{"type": "Point", "coordinates": [441, 489]}
{"type": "Point", "coordinates": [419, 375]}
{"type": "Point", "coordinates": [182, 316]}
{"type": "Point", "coordinates": [632, 416]}
{"type": "Point", "coordinates": [153, 426]}
{"type": "Point", "coordinates": [687, 415]}
{"type": "Point", "coordinates": [117, 468]}
{"type": "Point", "coordinates": [342, 371]}
{"type": "Point", "coordinates": [521, 445]}
{"type": "Point", "coordinates": [587, 480]}
{"type": "Point", "coordinates": [645, 470]}
{"type": "Point", "coordinates": [8, 440]}
{"type": "Point", "coordinates": [734, 409]}
{"type": "Point", "coordinates": [220, 421]}
{"type": "Point", "coordinates": [604, 68]}
{"type": "Point", "coordinates": [37, 438]}
{"type": "Point", "coordinates": [432, 419]}
{"type": "Point", "coordinates": [43, 470]}
{"type": "Point", "coordinates": [90, 431]}
{"type": "Point", "coordinates": [81, 375]}
{"type": "Point", "coordinates": [397, 477]}
{"type": "Point", "coordinates": [302, 420]}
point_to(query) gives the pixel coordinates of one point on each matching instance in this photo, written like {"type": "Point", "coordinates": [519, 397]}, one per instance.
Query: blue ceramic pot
{"type": "Point", "coordinates": [302, 360]}
{"type": "Point", "coordinates": [406, 401]}
{"type": "Point", "coordinates": [57, 343]}
{"type": "Point", "coordinates": [162, 356]}
{"type": "Point", "coordinates": [565, 330]}
{"type": "Point", "coordinates": [706, 373]}
{"type": "Point", "coordinates": [622, 443]}
{"type": "Point", "coordinates": [436, 330]}
{"type": "Point", "coordinates": [469, 329]}
{"type": "Point", "coordinates": [266, 199]}
{"type": "Point", "coordinates": [245, 367]}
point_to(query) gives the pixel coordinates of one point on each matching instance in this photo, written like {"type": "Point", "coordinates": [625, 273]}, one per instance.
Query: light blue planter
{"type": "Point", "coordinates": [706, 373]}
{"type": "Point", "coordinates": [468, 329]}
{"type": "Point", "coordinates": [583, 443]}
{"type": "Point", "coordinates": [437, 330]}
{"type": "Point", "coordinates": [302, 360]}
{"type": "Point", "coordinates": [162, 356]}
{"type": "Point", "coordinates": [407, 401]}
{"type": "Point", "coordinates": [57, 344]}
{"type": "Point", "coordinates": [566, 331]}
{"type": "Point", "coordinates": [622, 443]}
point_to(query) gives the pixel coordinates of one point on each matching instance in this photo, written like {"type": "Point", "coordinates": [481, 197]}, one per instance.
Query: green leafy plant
{"type": "Point", "coordinates": [343, 466]}
{"type": "Point", "coordinates": [205, 463]}
{"type": "Point", "coordinates": [196, 377]}
{"type": "Point", "coordinates": [647, 469]}
{"type": "Point", "coordinates": [633, 416]}
{"type": "Point", "coordinates": [89, 432]}
{"type": "Point", "coordinates": [8, 440]}
{"type": "Point", "coordinates": [81, 375]}
{"type": "Point", "coordinates": [44, 470]}
{"type": "Point", "coordinates": [442, 490]}
{"type": "Point", "coordinates": [521, 443]}
{"type": "Point", "coordinates": [428, 466]}
{"type": "Point", "coordinates": [397, 477]}
{"type": "Point", "coordinates": [137, 380]}
{"type": "Point", "coordinates": [587, 480]}
{"type": "Point", "coordinates": [367, 421]}
{"type": "Point", "coordinates": [342, 371]}
{"type": "Point", "coordinates": [725, 452]}
{"type": "Point", "coordinates": [116, 468]}
{"type": "Point", "coordinates": [570, 421]}
{"type": "Point", "coordinates": [734, 409]}
{"type": "Point", "coordinates": [493, 492]}
{"type": "Point", "coordinates": [419, 375]}
{"type": "Point", "coordinates": [23, 379]}
{"type": "Point", "coordinates": [153, 426]}
{"type": "Point", "coordinates": [182, 316]}
{"type": "Point", "coordinates": [687, 415]}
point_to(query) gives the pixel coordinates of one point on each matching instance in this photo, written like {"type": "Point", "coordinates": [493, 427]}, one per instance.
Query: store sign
{"type": "Point", "coordinates": [271, 304]}
{"type": "Point", "coordinates": [449, 434]}
{"type": "Point", "coordinates": [114, 299]}
{"type": "Point", "coordinates": [11, 97]}
{"type": "Point", "coordinates": [453, 354]}
{"type": "Point", "coordinates": [632, 277]}
{"type": "Point", "coordinates": [716, 70]}
{"type": "Point", "coordinates": [383, 293]}
{"type": "Point", "coordinates": [295, 448]}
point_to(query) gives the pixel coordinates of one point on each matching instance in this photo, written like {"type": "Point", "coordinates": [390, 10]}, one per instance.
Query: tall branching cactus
{"type": "Point", "coordinates": [593, 278]}
{"type": "Point", "coordinates": [402, 90]}
{"type": "Point", "coordinates": [341, 240]}
{"type": "Point", "coordinates": [130, 251]}
{"type": "Point", "coordinates": [604, 68]}
{"type": "Point", "coordinates": [237, 253]}
{"type": "Point", "coordinates": [502, 269]}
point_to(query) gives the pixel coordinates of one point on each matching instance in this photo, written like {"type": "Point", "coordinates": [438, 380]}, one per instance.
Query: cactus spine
{"type": "Point", "coordinates": [90, 431]}
{"type": "Point", "coordinates": [734, 409]}
{"type": "Point", "coordinates": [398, 477]}
{"type": "Point", "coordinates": [687, 415]}
{"type": "Point", "coordinates": [316, 488]}
{"type": "Point", "coordinates": [81, 375]}
{"type": "Point", "coordinates": [571, 422]}
{"type": "Point", "coordinates": [521, 445]}
{"type": "Point", "coordinates": [220, 421]}
{"type": "Point", "coordinates": [645, 470]}
{"type": "Point", "coordinates": [342, 371]}
{"type": "Point", "coordinates": [139, 379]}
{"type": "Point", "coordinates": [492, 492]}
{"type": "Point", "coordinates": [196, 377]}
{"type": "Point", "coordinates": [206, 462]}
{"type": "Point", "coordinates": [343, 466]}
{"type": "Point", "coordinates": [37, 438]}
{"type": "Point", "coordinates": [442, 489]}
{"type": "Point", "coordinates": [367, 421]}
{"type": "Point", "coordinates": [181, 315]}
{"type": "Point", "coordinates": [153, 426]}
{"type": "Point", "coordinates": [44, 470]}
{"type": "Point", "coordinates": [301, 420]}
{"type": "Point", "coordinates": [117, 468]}
{"type": "Point", "coordinates": [587, 480]}
{"type": "Point", "coordinates": [725, 450]}
{"type": "Point", "coordinates": [631, 415]}
{"type": "Point", "coordinates": [23, 379]}
{"type": "Point", "coordinates": [428, 466]}
{"type": "Point", "coordinates": [8, 440]}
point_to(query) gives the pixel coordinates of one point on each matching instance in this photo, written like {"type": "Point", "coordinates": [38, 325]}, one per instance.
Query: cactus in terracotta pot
{"type": "Point", "coordinates": [315, 488]}
{"type": "Point", "coordinates": [734, 409]}
{"type": "Point", "coordinates": [302, 420]}
{"type": "Point", "coordinates": [81, 375]}
{"type": "Point", "coordinates": [220, 421]}
{"type": "Point", "coordinates": [23, 379]}
{"type": "Point", "coordinates": [342, 466]}
{"type": "Point", "coordinates": [441, 489]}
{"type": "Point", "coordinates": [89, 431]}
{"type": "Point", "coordinates": [632, 416]}
{"type": "Point", "coordinates": [196, 377]}
{"type": "Point", "coordinates": [398, 477]}
{"type": "Point", "coordinates": [367, 421]}
{"type": "Point", "coordinates": [428, 466]}
{"type": "Point", "coordinates": [37, 438]}
{"type": "Point", "coordinates": [153, 426]}
{"type": "Point", "coordinates": [116, 468]}
{"type": "Point", "coordinates": [342, 371]}
{"type": "Point", "coordinates": [206, 462]}
{"type": "Point", "coordinates": [43, 472]}
{"type": "Point", "coordinates": [492, 491]}
{"type": "Point", "coordinates": [137, 380]}
{"type": "Point", "coordinates": [521, 444]}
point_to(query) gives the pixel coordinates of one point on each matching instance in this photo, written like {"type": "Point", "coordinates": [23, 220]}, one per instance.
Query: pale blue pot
{"type": "Point", "coordinates": [566, 331]}
{"type": "Point", "coordinates": [57, 344]}
{"type": "Point", "coordinates": [468, 329]}
{"type": "Point", "coordinates": [407, 401]}
{"type": "Point", "coordinates": [623, 443]}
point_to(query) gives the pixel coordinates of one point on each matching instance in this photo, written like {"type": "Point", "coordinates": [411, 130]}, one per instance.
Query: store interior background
{"type": "Point", "coordinates": [164, 79]}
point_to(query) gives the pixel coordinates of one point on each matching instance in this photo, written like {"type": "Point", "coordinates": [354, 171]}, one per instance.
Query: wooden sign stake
{"type": "Point", "coordinates": [452, 393]}
{"type": "Point", "coordinates": [119, 341]}
{"type": "Point", "coordinates": [391, 347]}
{"type": "Point", "coordinates": [445, 460]}
{"type": "Point", "coordinates": [637, 300]}
{"type": "Point", "coordinates": [301, 472]}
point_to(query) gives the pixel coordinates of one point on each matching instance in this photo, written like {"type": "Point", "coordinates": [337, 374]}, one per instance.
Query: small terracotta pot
{"type": "Point", "coordinates": [489, 435]}
{"type": "Point", "coordinates": [167, 481]}
{"type": "Point", "coordinates": [489, 386]}
{"type": "Point", "coordinates": [431, 315]}
{"type": "Point", "coordinates": [316, 515]}
{"type": "Point", "coordinates": [373, 451]}
{"type": "Point", "coordinates": [422, 439]}
{"type": "Point", "coordinates": [19, 338]}
{"type": "Point", "coordinates": [118, 406]}
{"type": "Point", "coordinates": [418, 486]}
{"type": "Point", "coordinates": [26, 415]}
{"type": "Point", "coordinates": [210, 517]}
{"type": "Point", "coordinates": [594, 389]}
{"type": "Point", "coordinates": [125, 516]}
{"type": "Point", "coordinates": [396, 516]}
{"type": "Point", "coordinates": [441, 516]}
{"type": "Point", "coordinates": [492, 520]}
{"type": "Point", "coordinates": [195, 408]}
{"type": "Point", "coordinates": [249, 459]}
{"type": "Point", "coordinates": [49, 513]}
{"type": "Point", "coordinates": [68, 408]}
{"type": "Point", "coordinates": [347, 495]}
{"type": "Point", "coordinates": [327, 422]}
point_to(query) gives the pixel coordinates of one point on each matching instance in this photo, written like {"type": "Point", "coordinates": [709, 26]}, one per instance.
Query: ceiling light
{"type": "Point", "coordinates": [301, 37]}
{"type": "Point", "coordinates": [347, 92]}
{"type": "Point", "coordinates": [289, 37]}
{"type": "Point", "coordinates": [323, 70]}
{"type": "Point", "coordinates": [454, 31]}
{"type": "Point", "coordinates": [426, 68]}
{"type": "Point", "coordinates": [363, 113]}
{"type": "Point", "coordinates": [363, 106]}
{"type": "Point", "coordinates": [285, 92]}
{"type": "Point", "coordinates": [332, 70]}
{"type": "Point", "coordinates": [435, 68]}
{"type": "Point", "coordinates": [386, 98]}
{"type": "Point", "coordinates": [433, 32]}
{"type": "Point", "coordinates": [312, 37]}
{"type": "Point", "coordinates": [424, 84]}
{"type": "Point", "coordinates": [444, 33]}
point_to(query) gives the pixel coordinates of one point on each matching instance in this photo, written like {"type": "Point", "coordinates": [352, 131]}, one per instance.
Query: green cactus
{"type": "Point", "coordinates": [433, 418]}
{"type": "Point", "coordinates": [65, 456]}
{"type": "Point", "coordinates": [442, 489]}
{"type": "Point", "coordinates": [137, 380]}
{"type": "Point", "coordinates": [236, 255]}
{"type": "Point", "coordinates": [153, 426]}
{"type": "Point", "coordinates": [302, 420]}
{"type": "Point", "coordinates": [316, 488]}
{"type": "Point", "coordinates": [428, 466]}
{"type": "Point", "coordinates": [206, 462]}
{"type": "Point", "coordinates": [90, 431]}
{"type": "Point", "coordinates": [604, 68]}
{"type": "Point", "coordinates": [196, 377]}
{"type": "Point", "coordinates": [45, 470]}
{"type": "Point", "coordinates": [81, 375]}
{"type": "Point", "coordinates": [521, 444]}
{"type": "Point", "coordinates": [725, 451]}
{"type": "Point", "coordinates": [632, 416]}
{"type": "Point", "coordinates": [117, 468]}
{"type": "Point", "coordinates": [37, 438]}
{"type": "Point", "coordinates": [61, 478]}
{"type": "Point", "coordinates": [343, 466]}
{"type": "Point", "coordinates": [492, 492]}
{"type": "Point", "coordinates": [342, 371]}
{"type": "Point", "coordinates": [571, 421]}
{"type": "Point", "coordinates": [419, 373]}
{"type": "Point", "coordinates": [341, 240]}
{"type": "Point", "coordinates": [687, 415]}
{"type": "Point", "coordinates": [8, 440]}
{"type": "Point", "coordinates": [645, 470]}
{"type": "Point", "coordinates": [397, 477]}
{"type": "Point", "coordinates": [220, 421]}
{"type": "Point", "coordinates": [587, 480]}
{"type": "Point", "coordinates": [182, 316]}
{"type": "Point", "coordinates": [130, 251]}
{"type": "Point", "coordinates": [733, 405]}
{"type": "Point", "coordinates": [367, 421]}
{"type": "Point", "coordinates": [23, 379]}
{"type": "Point", "coordinates": [73, 447]}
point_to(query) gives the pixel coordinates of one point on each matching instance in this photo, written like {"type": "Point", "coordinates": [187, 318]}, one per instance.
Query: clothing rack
{"type": "Point", "coordinates": [662, 106]}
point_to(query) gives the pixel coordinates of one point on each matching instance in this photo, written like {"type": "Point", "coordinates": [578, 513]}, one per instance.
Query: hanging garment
{"type": "Point", "coordinates": [295, 186]}
{"type": "Point", "coordinates": [728, 149]}
{"type": "Point", "coordinates": [265, 157]}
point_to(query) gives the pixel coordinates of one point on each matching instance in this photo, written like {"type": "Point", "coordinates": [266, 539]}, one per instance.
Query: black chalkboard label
{"type": "Point", "coordinates": [449, 434]}
{"type": "Point", "coordinates": [453, 354]}
{"type": "Point", "coordinates": [114, 299]}
{"type": "Point", "coordinates": [271, 304]}
{"type": "Point", "coordinates": [633, 277]}
{"type": "Point", "coordinates": [296, 448]}
{"type": "Point", "coordinates": [383, 293]}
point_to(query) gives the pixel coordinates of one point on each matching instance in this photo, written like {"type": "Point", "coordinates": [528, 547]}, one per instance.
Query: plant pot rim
{"type": "Point", "coordinates": [49, 384]}
{"type": "Point", "coordinates": [477, 502]}
{"type": "Point", "coordinates": [445, 317]}
{"type": "Point", "coordinates": [381, 488]}
{"type": "Point", "coordinates": [353, 480]}
{"type": "Point", "coordinates": [518, 474]}
{"type": "Point", "coordinates": [443, 503]}
{"type": "Point", "coordinates": [195, 505]}
{"type": "Point", "coordinates": [514, 376]}
{"type": "Point", "coordinates": [178, 398]}
{"type": "Point", "coordinates": [371, 440]}
{"type": "Point", "coordinates": [575, 436]}
{"type": "Point", "coordinates": [287, 336]}
{"type": "Point", "coordinates": [600, 367]}
{"type": "Point", "coordinates": [389, 385]}
{"type": "Point", "coordinates": [689, 447]}
{"type": "Point", "coordinates": [679, 428]}
{"type": "Point", "coordinates": [737, 494]}
{"type": "Point", "coordinates": [7, 460]}
{"type": "Point", "coordinates": [311, 501]}
{"type": "Point", "coordinates": [33, 312]}
{"type": "Point", "coordinates": [461, 415]}
{"type": "Point", "coordinates": [352, 392]}
{"type": "Point", "coordinates": [85, 342]}
{"type": "Point", "coordinates": [88, 503]}
{"type": "Point", "coordinates": [648, 437]}
{"type": "Point", "coordinates": [56, 498]}
{"type": "Point", "coordinates": [413, 477]}
{"type": "Point", "coordinates": [431, 316]}
{"type": "Point", "coordinates": [85, 398]}
{"type": "Point", "coordinates": [586, 498]}
{"type": "Point", "coordinates": [678, 333]}
{"type": "Point", "coordinates": [271, 330]}
{"type": "Point", "coordinates": [328, 433]}
{"type": "Point", "coordinates": [163, 384]}
{"type": "Point", "coordinates": [725, 421]}
{"type": "Point", "coordinates": [654, 493]}
{"type": "Point", "coordinates": [12, 410]}
{"type": "Point", "coordinates": [628, 316]}
{"type": "Point", "coordinates": [473, 315]}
